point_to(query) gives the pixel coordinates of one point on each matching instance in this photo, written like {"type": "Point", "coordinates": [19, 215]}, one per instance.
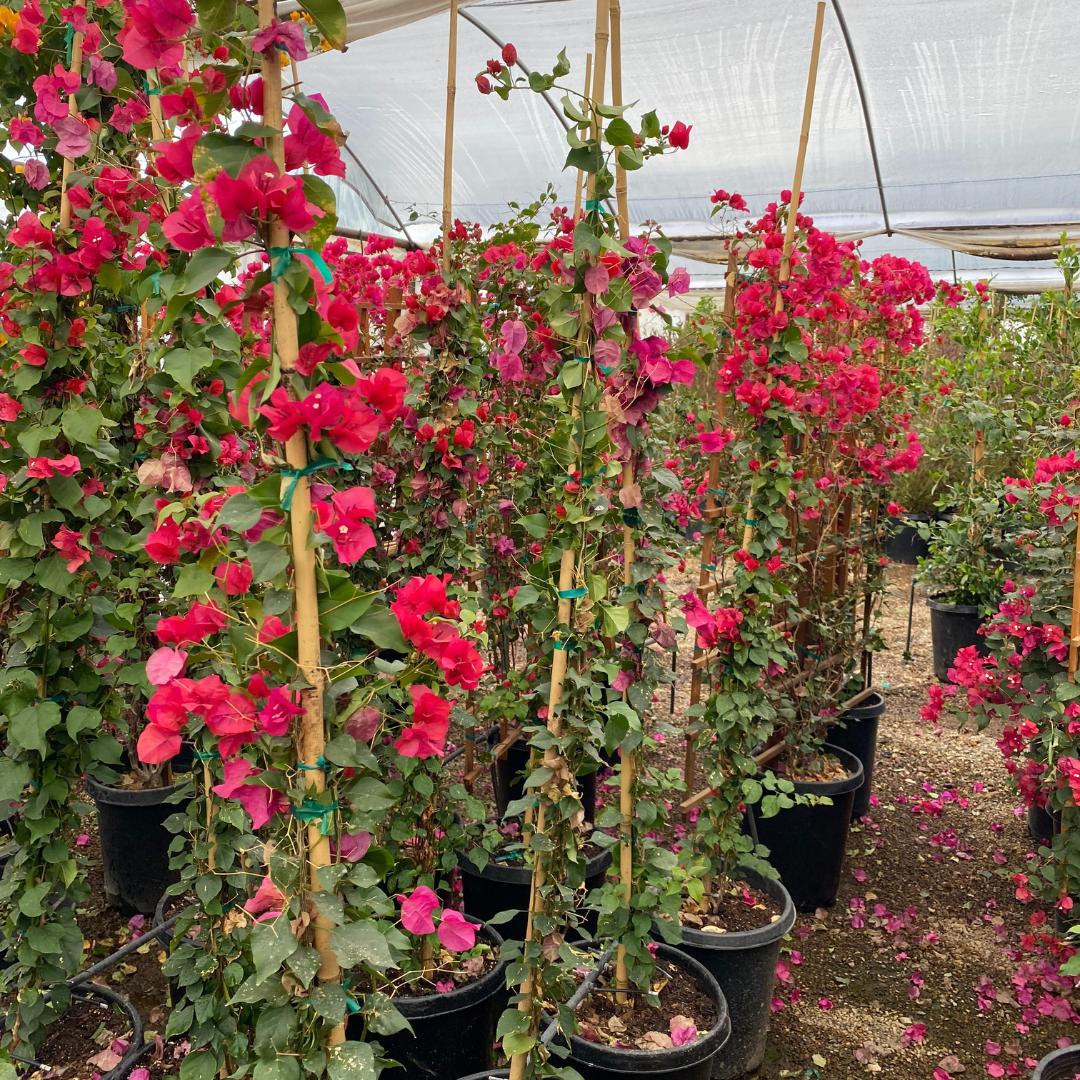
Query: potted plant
{"type": "Point", "coordinates": [962, 580]}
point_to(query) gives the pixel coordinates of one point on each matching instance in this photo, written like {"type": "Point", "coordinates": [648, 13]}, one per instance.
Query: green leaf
{"type": "Point", "coordinates": [14, 776]}
{"type": "Point", "coordinates": [329, 17]}
{"type": "Point", "coordinates": [535, 525]}
{"type": "Point", "coordinates": [29, 727]}
{"type": "Point", "coordinates": [612, 110]}
{"type": "Point", "coordinates": [351, 1061]}
{"type": "Point", "coordinates": [15, 571]}
{"type": "Point", "coordinates": [631, 159]}
{"type": "Point", "coordinates": [205, 266]}
{"type": "Point", "coordinates": [80, 718]}
{"type": "Point", "coordinates": [201, 1065]}
{"type": "Point", "coordinates": [616, 619]}
{"type": "Point", "coordinates": [526, 595]}
{"type": "Point", "coordinates": [361, 943]}
{"type": "Point", "coordinates": [562, 65]}
{"type": "Point", "coordinates": [32, 438]}
{"type": "Point", "coordinates": [272, 943]}
{"type": "Point", "coordinates": [667, 478]}
{"type": "Point", "coordinates": [70, 625]}
{"type": "Point", "coordinates": [380, 626]}
{"type": "Point", "coordinates": [66, 491]}
{"type": "Point", "coordinates": [82, 425]}
{"type": "Point", "coordinates": [267, 560]}
{"type": "Point", "coordinates": [193, 581]}
{"type": "Point", "coordinates": [330, 1002]}
{"type": "Point", "coordinates": [572, 112]}
{"type": "Point", "coordinates": [620, 133]}
{"type": "Point", "coordinates": [589, 158]}
{"type": "Point", "coordinates": [231, 153]}
{"type": "Point", "coordinates": [52, 574]}
{"type": "Point", "coordinates": [215, 14]}
{"type": "Point", "coordinates": [322, 195]}
{"type": "Point", "coordinates": [240, 513]}
{"type": "Point", "coordinates": [182, 365]}
{"type": "Point", "coordinates": [650, 125]}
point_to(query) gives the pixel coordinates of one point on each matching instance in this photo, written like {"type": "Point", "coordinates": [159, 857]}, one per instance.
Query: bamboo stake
{"type": "Point", "coordinates": [708, 543]}
{"type": "Point", "coordinates": [554, 724]}
{"type": "Point", "coordinates": [796, 193]}
{"type": "Point", "coordinates": [448, 138]}
{"type": "Point", "coordinates": [580, 174]}
{"type": "Point", "coordinates": [311, 737]}
{"type": "Point", "coordinates": [75, 68]}
{"type": "Point", "coordinates": [621, 202]}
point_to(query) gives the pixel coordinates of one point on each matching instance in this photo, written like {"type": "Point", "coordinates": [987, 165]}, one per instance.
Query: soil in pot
{"type": "Point", "coordinates": [504, 885]}
{"type": "Point", "coordinates": [739, 940]}
{"type": "Point", "coordinates": [453, 1031]}
{"type": "Point", "coordinates": [677, 1041]}
{"type": "Point", "coordinates": [806, 843]}
{"type": "Point", "coordinates": [857, 730]}
{"type": "Point", "coordinates": [953, 627]}
{"type": "Point", "coordinates": [95, 1038]}
{"type": "Point", "coordinates": [134, 844]}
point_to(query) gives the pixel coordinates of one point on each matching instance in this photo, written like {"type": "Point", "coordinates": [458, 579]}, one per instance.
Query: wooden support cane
{"type": "Point", "coordinates": [448, 136]}
{"type": "Point", "coordinates": [580, 174]}
{"type": "Point", "coordinates": [708, 544]}
{"type": "Point", "coordinates": [793, 206]}
{"type": "Point", "coordinates": [311, 737]}
{"type": "Point", "coordinates": [1074, 658]}
{"type": "Point", "coordinates": [75, 68]}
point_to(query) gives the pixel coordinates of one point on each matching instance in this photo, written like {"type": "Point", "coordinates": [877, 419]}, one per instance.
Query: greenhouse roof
{"type": "Point", "coordinates": [938, 124]}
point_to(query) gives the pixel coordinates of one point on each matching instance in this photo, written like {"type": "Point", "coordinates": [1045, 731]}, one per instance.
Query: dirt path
{"type": "Point", "coordinates": [935, 913]}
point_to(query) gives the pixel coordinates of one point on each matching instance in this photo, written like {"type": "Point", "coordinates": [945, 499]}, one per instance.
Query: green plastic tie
{"type": "Point", "coordinates": [572, 594]}
{"type": "Point", "coordinates": [282, 257]}
{"type": "Point", "coordinates": [716, 491]}
{"type": "Point", "coordinates": [155, 277]}
{"type": "Point", "coordinates": [119, 308]}
{"type": "Point", "coordinates": [320, 764]}
{"type": "Point", "coordinates": [308, 470]}
{"type": "Point", "coordinates": [566, 646]}
{"type": "Point", "coordinates": [69, 42]}
{"type": "Point", "coordinates": [592, 204]}
{"type": "Point", "coordinates": [206, 755]}
{"type": "Point", "coordinates": [631, 516]}
{"type": "Point", "coordinates": [708, 566]}
{"type": "Point", "coordinates": [749, 521]}
{"type": "Point", "coordinates": [311, 811]}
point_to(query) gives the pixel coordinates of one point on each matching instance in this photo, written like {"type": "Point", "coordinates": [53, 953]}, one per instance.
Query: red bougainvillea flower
{"type": "Point", "coordinates": [679, 136]}
{"type": "Point", "coordinates": [288, 35]}
{"type": "Point", "coordinates": [417, 910]}
{"type": "Point", "coordinates": [342, 519]}
{"type": "Point", "coordinates": [43, 467]}
{"type": "Point", "coordinates": [426, 737]}
{"type": "Point", "coordinates": [268, 902]}
{"type": "Point", "coordinates": [67, 543]}
{"type": "Point", "coordinates": [235, 578]}
{"type": "Point", "coordinates": [261, 802]}
{"type": "Point", "coordinates": [164, 665]}
{"type": "Point", "coordinates": [456, 933]}
{"type": "Point", "coordinates": [276, 715]}
{"type": "Point", "coordinates": [163, 543]}
{"type": "Point", "coordinates": [197, 625]}
{"type": "Point", "coordinates": [152, 36]}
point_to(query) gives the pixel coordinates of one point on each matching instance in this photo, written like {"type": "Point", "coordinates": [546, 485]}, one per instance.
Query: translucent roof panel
{"type": "Point", "coordinates": [973, 107]}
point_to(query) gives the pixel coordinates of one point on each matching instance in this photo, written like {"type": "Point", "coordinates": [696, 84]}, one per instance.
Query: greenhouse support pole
{"type": "Point", "coordinates": [796, 195]}
{"type": "Point", "coordinates": [311, 736]}
{"type": "Point", "coordinates": [75, 68]}
{"type": "Point", "coordinates": [448, 136]}
{"type": "Point", "coordinates": [712, 512]}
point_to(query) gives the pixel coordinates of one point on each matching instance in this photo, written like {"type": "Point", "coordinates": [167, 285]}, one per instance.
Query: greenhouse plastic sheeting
{"type": "Point", "coordinates": [972, 105]}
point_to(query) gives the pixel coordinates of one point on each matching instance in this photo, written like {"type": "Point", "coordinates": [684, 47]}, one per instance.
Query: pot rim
{"type": "Point", "coordinates": [644, 1062]}
{"type": "Point", "coordinates": [113, 796]}
{"type": "Point", "coordinates": [834, 787]}
{"type": "Point", "coordinates": [742, 940]}
{"type": "Point", "coordinates": [1052, 1058]}
{"type": "Point", "coordinates": [464, 997]}
{"type": "Point", "coordinates": [515, 875]}
{"type": "Point", "coordinates": [952, 609]}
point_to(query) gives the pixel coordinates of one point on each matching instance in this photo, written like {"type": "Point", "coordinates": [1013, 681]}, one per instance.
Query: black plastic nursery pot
{"type": "Point", "coordinates": [953, 627]}
{"type": "Point", "coordinates": [453, 1033]}
{"type": "Point", "coordinates": [806, 843]}
{"type": "Point", "coordinates": [744, 966]}
{"type": "Point", "coordinates": [857, 731]}
{"type": "Point", "coordinates": [1041, 824]}
{"type": "Point", "coordinates": [596, 1061]}
{"type": "Point", "coordinates": [1062, 1064]}
{"type": "Point", "coordinates": [134, 845]}
{"type": "Point", "coordinates": [499, 887]}
{"type": "Point", "coordinates": [904, 544]}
